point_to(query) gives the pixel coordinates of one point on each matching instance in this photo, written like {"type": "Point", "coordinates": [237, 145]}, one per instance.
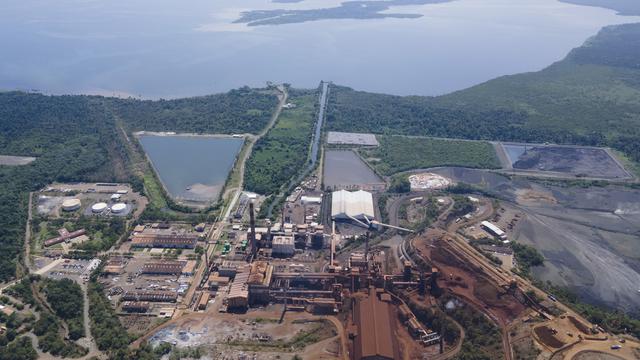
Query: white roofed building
{"type": "Point", "coordinates": [357, 204]}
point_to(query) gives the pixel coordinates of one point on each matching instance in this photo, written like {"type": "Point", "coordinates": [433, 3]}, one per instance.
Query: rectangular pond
{"type": "Point", "coordinates": [192, 168]}
{"type": "Point", "coordinates": [343, 169]}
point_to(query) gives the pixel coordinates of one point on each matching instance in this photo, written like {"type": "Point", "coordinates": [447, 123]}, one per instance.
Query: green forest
{"type": "Point", "coordinates": [243, 110]}
{"type": "Point", "coordinates": [592, 97]}
{"type": "Point", "coordinates": [282, 153]}
{"type": "Point", "coordinates": [400, 153]}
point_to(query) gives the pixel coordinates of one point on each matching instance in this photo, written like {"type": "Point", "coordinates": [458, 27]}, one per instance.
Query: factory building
{"type": "Point", "coordinates": [135, 306]}
{"type": "Point", "coordinates": [65, 237]}
{"type": "Point", "coordinates": [346, 205]}
{"type": "Point", "coordinates": [494, 230]}
{"type": "Point", "coordinates": [163, 268]}
{"type": "Point", "coordinates": [238, 297]}
{"type": "Point", "coordinates": [164, 241]}
{"type": "Point", "coordinates": [259, 281]}
{"type": "Point", "coordinates": [150, 295]}
{"type": "Point", "coordinates": [374, 337]}
{"type": "Point", "coordinates": [283, 246]}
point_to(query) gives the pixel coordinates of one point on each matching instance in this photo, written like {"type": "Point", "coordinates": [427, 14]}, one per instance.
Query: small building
{"type": "Point", "coordinates": [204, 300]}
{"type": "Point", "coordinates": [189, 268]}
{"type": "Point", "coordinates": [494, 230]}
{"type": "Point", "coordinates": [215, 281]}
{"type": "Point", "coordinates": [138, 228]}
{"type": "Point", "coordinates": [310, 200]}
{"type": "Point", "coordinates": [283, 246]}
{"type": "Point", "coordinates": [227, 269]}
{"type": "Point", "coordinates": [113, 269]}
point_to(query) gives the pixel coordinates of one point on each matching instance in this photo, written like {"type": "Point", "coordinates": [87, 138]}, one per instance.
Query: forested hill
{"type": "Point", "coordinates": [75, 138]}
{"type": "Point", "coordinates": [624, 7]}
{"type": "Point", "coordinates": [591, 97]}
{"type": "Point", "coordinates": [243, 110]}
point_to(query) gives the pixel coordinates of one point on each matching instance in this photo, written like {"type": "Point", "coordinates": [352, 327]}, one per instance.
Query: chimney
{"type": "Point", "coordinates": [252, 235]}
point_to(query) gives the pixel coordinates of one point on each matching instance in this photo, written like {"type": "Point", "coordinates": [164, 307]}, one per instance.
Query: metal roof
{"type": "Point", "coordinates": [357, 204]}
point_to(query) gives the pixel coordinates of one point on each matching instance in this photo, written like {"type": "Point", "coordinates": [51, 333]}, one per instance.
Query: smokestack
{"type": "Point", "coordinates": [366, 251]}
{"type": "Point", "coordinates": [252, 222]}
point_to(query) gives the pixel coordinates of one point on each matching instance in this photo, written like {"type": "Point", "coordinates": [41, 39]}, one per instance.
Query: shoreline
{"type": "Point", "coordinates": [138, 134]}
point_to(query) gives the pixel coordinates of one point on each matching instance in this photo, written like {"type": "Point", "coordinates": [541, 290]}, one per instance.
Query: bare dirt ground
{"type": "Point", "coordinates": [241, 332]}
{"type": "Point", "coordinates": [590, 237]}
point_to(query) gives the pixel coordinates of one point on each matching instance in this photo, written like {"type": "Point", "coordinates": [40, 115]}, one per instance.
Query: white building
{"type": "Point", "coordinates": [283, 246]}
{"type": "Point", "coordinates": [346, 205]}
{"type": "Point", "coordinates": [311, 200]}
{"type": "Point", "coordinates": [494, 230]}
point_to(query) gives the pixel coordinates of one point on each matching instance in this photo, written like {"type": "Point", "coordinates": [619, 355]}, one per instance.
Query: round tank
{"type": "Point", "coordinates": [99, 207]}
{"type": "Point", "coordinates": [118, 208]}
{"type": "Point", "coordinates": [71, 204]}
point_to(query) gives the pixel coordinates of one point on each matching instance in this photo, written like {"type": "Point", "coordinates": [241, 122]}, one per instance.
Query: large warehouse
{"type": "Point", "coordinates": [346, 205]}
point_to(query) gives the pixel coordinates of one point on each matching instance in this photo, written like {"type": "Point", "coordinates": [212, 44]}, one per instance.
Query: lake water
{"type": "Point", "coordinates": [166, 48]}
{"type": "Point", "coordinates": [192, 167]}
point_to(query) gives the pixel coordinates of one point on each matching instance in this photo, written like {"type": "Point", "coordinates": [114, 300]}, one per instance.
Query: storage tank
{"type": "Point", "coordinates": [98, 208]}
{"type": "Point", "coordinates": [71, 204]}
{"type": "Point", "coordinates": [118, 208]}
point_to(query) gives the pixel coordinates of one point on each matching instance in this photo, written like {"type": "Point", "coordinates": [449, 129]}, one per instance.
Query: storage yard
{"type": "Point", "coordinates": [344, 138]}
{"type": "Point", "coordinates": [575, 161]}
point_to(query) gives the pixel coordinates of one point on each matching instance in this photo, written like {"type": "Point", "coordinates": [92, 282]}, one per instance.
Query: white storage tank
{"type": "Point", "coordinates": [71, 204]}
{"type": "Point", "coordinates": [118, 208]}
{"type": "Point", "coordinates": [99, 207]}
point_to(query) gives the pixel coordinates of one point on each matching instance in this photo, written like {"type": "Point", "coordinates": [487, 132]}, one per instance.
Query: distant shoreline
{"type": "Point", "coordinates": [171, 133]}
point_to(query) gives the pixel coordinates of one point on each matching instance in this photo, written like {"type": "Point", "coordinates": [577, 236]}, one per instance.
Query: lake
{"type": "Point", "coordinates": [192, 168]}
{"type": "Point", "coordinates": [171, 49]}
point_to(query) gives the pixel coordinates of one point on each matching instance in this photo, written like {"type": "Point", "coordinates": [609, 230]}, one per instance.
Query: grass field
{"type": "Point", "coordinates": [401, 153]}
{"type": "Point", "coordinates": [282, 153]}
